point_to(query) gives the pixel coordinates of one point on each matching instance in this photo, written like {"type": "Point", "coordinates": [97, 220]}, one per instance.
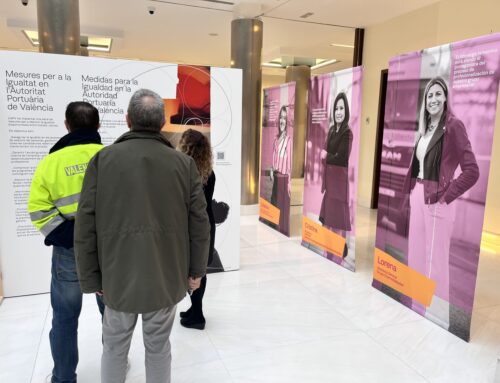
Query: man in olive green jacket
{"type": "Point", "coordinates": [141, 237]}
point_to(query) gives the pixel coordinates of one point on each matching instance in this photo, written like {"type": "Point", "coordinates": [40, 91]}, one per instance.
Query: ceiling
{"type": "Point", "coordinates": [180, 30]}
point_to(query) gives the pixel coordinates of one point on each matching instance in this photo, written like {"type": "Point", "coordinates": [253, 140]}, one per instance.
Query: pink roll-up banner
{"type": "Point", "coordinates": [331, 165]}
{"type": "Point", "coordinates": [276, 156]}
{"type": "Point", "coordinates": [438, 134]}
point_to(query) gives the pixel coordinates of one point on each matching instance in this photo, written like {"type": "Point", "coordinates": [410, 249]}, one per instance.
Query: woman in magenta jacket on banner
{"type": "Point", "coordinates": [441, 146]}
{"type": "Point", "coordinates": [334, 213]}
{"type": "Point", "coordinates": [280, 172]}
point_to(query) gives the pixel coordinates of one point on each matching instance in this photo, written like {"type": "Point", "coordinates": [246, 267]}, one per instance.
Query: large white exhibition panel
{"type": "Point", "coordinates": [35, 91]}
{"type": "Point", "coordinates": [225, 136]}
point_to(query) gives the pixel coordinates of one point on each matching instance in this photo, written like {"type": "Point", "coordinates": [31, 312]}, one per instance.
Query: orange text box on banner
{"type": "Point", "coordinates": [269, 212]}
{"type": "Point", "coordinates": [403, 278]}
{"type": "Point", "coordinates": [317, 235]}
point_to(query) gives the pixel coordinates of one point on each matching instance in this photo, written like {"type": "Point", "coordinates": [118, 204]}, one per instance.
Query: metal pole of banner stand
{"type": "Point", "coordinates": [497, 375]}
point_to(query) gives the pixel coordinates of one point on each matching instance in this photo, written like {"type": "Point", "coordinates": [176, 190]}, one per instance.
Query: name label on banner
{"type": "Point", "coordinates": [403, 278]}
{"type": "Point", "coordinates": [317, 235]}
{"type": "Point", "coordinates": [269, 212]}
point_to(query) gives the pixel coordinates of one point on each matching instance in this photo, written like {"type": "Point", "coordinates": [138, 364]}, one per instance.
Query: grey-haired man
{"type": "Point", "coordinates": [141, 237]}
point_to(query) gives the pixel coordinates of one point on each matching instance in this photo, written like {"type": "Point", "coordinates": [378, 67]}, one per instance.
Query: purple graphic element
{"type": "Point", "coordinates": [332, 155]}
{"type": "Point", "coordinates": [438, 134]}
{"type": "Point", "coordinates": [276, 151]}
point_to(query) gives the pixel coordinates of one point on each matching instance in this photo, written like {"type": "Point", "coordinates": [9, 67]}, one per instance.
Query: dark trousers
{"type": "Point", "coordinates": [197, 300]}
{"type": "Point", "coordinates": [66, 301]}
{"type": "Point", "coordinates": [281, 199]}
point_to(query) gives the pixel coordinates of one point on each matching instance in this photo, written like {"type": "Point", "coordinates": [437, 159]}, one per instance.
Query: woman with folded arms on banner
{"type": "Point", "coordinates": [441, 145]}
{"type": "Point", "coordinates": [280, 172]}
{"type": "Point", "coordinates": [334, 213]}
{"type": "Point", "coordinates": [197, 146]}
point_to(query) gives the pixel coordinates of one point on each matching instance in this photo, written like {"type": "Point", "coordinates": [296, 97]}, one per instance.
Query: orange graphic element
{"type": "Point", "coordinates": [191, 107]}
{"type": "Point", "coordinates": [317, 235]}
{"type": "Point", "coordinates": [402, 278]}
{"type": "Point", "coordinates": [269, 212]}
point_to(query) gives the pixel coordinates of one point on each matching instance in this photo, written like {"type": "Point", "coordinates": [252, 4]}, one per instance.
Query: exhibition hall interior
{"type": "Point", "coordinates": [251, 191]}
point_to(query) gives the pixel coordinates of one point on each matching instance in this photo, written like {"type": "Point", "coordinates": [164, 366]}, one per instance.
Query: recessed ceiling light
{"type": "Point", "coordinates": [95, 43]}
{"type": "Point", "coordinates": [272, 65]}
{"type": "Point", "coordinates": [322, 63]}
{"type": "Point", "coordinates": [213, 34]}
{"type": "Point", "coordinates": [306, 15]}
{"type": "Point", "coordinates": [342, 45]}
{"type": "Point", "coordinates": [219, 2]}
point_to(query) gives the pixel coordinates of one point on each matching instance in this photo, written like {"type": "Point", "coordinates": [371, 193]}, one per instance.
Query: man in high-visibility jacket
{"type": "Point", "coordinates": [53, 202]}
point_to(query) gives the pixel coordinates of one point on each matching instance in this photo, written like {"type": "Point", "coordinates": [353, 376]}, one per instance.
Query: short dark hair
{"type": "Point", "coordinates": [146, 111]}
{"type": "Point", "coordinates": [82, 115]}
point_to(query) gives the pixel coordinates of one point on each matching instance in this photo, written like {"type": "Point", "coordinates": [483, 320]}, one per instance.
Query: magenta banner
{"type": "Point", "coordinates": [438, 133]}
{"type": "Point", "coordinates": [331, 165]}
{"type": "Point", "coordinates": [276, 157]}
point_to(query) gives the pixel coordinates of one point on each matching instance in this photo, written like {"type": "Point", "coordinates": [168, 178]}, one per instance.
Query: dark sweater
{"type": "Point", "coordinates": [208, 189]}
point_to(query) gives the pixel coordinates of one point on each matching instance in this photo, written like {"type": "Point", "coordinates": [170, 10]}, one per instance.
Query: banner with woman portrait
{"type": "Point", "coordinates": [276, 157]}
{"type": "Point", "coordinates": [438, 133]}
{"type": "Point", "coordinates": [331, 165]}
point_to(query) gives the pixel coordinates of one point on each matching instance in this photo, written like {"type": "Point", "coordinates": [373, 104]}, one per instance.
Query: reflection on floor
{"type": "Point", "coordinates": [287, 316]}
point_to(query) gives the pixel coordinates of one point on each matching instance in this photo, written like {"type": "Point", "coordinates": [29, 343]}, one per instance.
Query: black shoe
{"type": "Point", "coordinates": [185, 314]}
{"type": "Point", "coordinates": [198, 324]}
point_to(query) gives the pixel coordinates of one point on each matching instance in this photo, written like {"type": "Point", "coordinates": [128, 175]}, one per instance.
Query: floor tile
{"type": "Point", "coordinates": [27, 305]}
{"type": "Point", "coordinates": [441, 356]}
{"type": "Point", "coordinates": [20, 338]}
{"type": "Point", "coordinates": [212, 372]}
{"type": "Point", "coordinates": [355, 299]}
{"type": "Point", "coordinates": [260, 234]}
{"type": "Point", "coordinates": [289, 315]}
{"type": "Point", "coordinates": [348, 358]}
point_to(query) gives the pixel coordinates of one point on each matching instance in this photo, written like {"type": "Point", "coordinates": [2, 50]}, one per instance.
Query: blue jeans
{"type": "Point", "coordinates": [66, 301]}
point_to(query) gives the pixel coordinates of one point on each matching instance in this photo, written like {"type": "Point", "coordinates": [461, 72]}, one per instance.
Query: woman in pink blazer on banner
{"type": "Point", "coordinates": [280, 172]}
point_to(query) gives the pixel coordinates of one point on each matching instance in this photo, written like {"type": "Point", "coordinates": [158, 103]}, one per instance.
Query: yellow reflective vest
{"type": "Point", "coordinates": [56, 186]}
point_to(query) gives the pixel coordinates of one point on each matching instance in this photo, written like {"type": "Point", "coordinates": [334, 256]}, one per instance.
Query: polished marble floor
{"type": "Point", "coordinates": [288, 315]}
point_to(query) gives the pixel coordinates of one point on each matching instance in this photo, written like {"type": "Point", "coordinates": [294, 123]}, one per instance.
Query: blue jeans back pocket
{"type": "Point", "coordinates": [65, 265]}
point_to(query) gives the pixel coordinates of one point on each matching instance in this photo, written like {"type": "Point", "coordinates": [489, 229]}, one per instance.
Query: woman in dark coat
{"type": "Point", "coordinates": [335, 214]}
{"type": "Point", "coordinates": [197, 146]}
